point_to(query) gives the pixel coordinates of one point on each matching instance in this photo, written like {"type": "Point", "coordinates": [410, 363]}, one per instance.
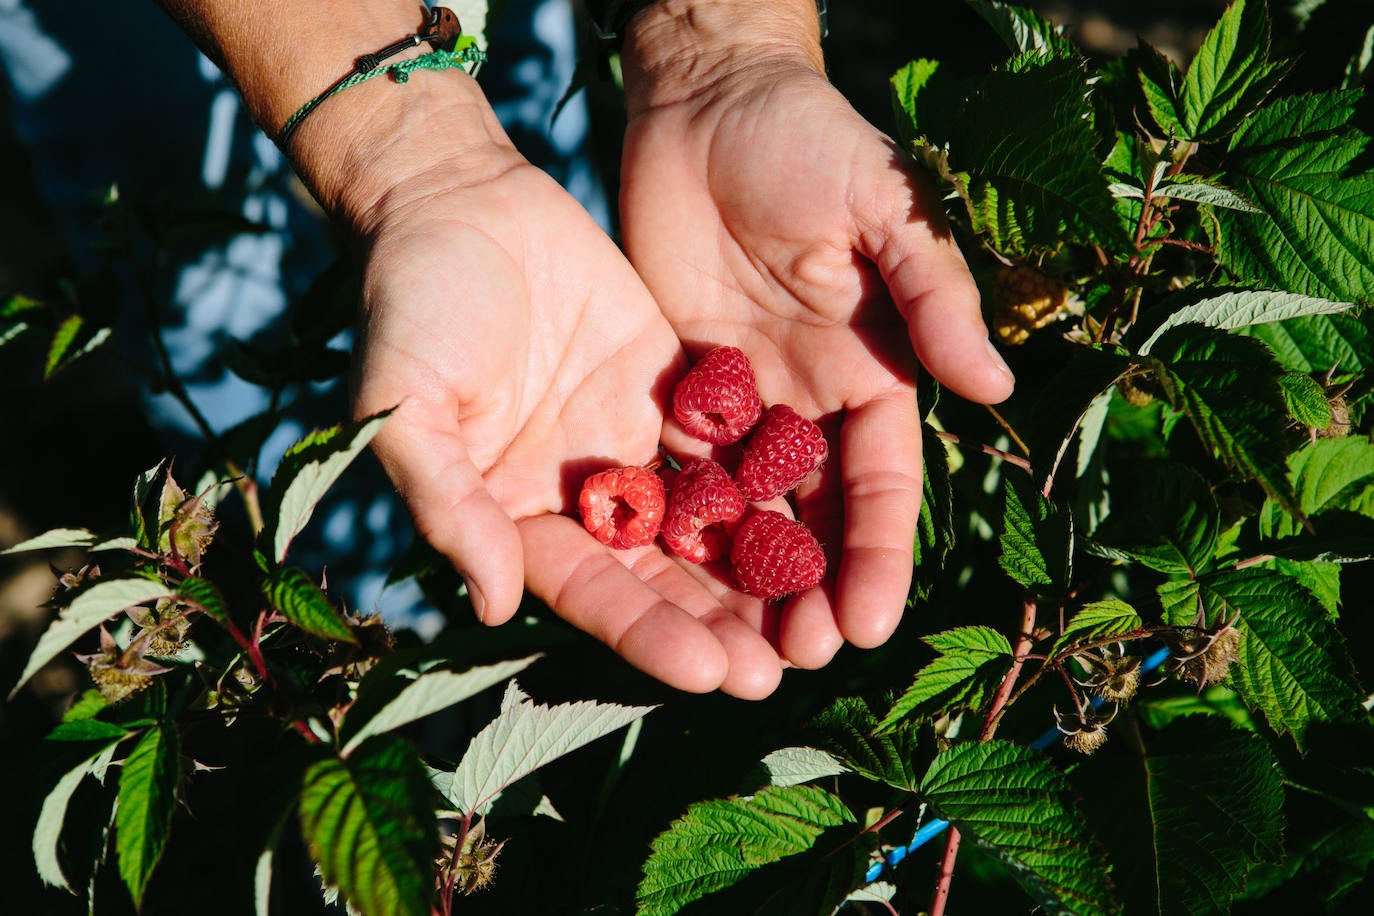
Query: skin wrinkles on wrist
{"type": "Point", "coordinates": [676, 49]}
{"type": "Point", "coordinates": [367, 153]}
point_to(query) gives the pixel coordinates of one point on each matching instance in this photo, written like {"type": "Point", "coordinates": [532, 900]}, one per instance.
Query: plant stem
{"type": "Point", "coordinates": [941, 895]}
{"type": "Point", "coordinates": [1008, 457]}
{"type": "Point", "coordinates": [1024, 641]}
{"type": "Point", "coordinates": [1001, 421]}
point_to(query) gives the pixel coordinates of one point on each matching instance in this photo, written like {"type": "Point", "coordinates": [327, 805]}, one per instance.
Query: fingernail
{"type": "Point", "coordinates": [479, 604]}
{"type": "Point", "coordinates": [997, 359]}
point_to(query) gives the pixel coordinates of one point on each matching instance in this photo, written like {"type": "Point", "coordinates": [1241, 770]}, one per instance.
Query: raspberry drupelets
{"type": "Point", "coordinates": [702, 500]}
{"type": "Point", "coordinates": [774, 556]}
{"type": "Point", "coordinates": [718, 400]}
{"type": "Point", "coordinates": [623, 507]}
{"type": "Point", "coordinates": [783, 451]}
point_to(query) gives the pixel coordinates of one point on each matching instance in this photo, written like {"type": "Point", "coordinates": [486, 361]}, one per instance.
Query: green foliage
{"type": "Point", "coordinates": [1016, 806]}
{"type": "Point", "coordinates": [1186, 468]}
{"type": "Point", "coordinates": [717, 844]}
{"type": "Point", "coordinates": [972, 661]}
{"type": "Point", "coordinates": [1215, 797]}
{"type": "Point", "coordinates": [147, 796]}
{"type": "Point", "coordinates": [368, 822]}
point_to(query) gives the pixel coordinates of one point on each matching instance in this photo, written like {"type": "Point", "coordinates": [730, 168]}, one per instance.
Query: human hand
{"type": "Point", "coordinates": [763, 212]}
{"type": "Point", "coordinates": [522, 353]}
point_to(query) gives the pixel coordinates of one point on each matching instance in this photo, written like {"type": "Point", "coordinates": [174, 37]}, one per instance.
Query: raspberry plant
{"type": "Point", "coordinates": [1179, 264]}
{"type": "Point", "coordinates": [1128, 681]}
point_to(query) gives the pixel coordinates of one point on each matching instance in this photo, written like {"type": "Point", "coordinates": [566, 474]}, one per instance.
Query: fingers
{"type": "Point", "coordinates": [881, 483]}
{"type": "Point", "coordinates": [653, 615]}
{"type": "Point", "coordinates": [905, 236]}
{"type": "Point", "coordinates": [453, 511]}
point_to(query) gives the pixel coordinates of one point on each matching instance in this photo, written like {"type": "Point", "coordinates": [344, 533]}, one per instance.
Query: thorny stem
{"type": "Point", "coordinates": [941, 895]}
{"type": "Point", "coordinates": [886, 819]}
{"type": "Point", "coordinates": [1008, 457]}
{"type": "Point", "coordinates": [999, 702]}
{"type": "Point", "coordinates": [450, 878]}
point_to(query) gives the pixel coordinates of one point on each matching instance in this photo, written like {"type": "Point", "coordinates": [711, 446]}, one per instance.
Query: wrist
{"type": "Point", "coordinates": [676, 49]}
{"type": "Point", "coordinates": [379, 146]}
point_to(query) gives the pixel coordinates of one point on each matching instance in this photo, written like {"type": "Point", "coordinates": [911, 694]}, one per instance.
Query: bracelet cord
{"type": "Point", "coordinates": [370, 65]}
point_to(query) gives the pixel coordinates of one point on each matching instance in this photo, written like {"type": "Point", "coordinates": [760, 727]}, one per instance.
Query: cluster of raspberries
{"type": "Point", "coordinates": [705, 514]}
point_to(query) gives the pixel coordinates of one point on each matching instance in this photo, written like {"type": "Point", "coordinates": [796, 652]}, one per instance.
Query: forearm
{"type": "Point", "coordinates": [359, 144]}
{"type": "Point", "coordinates": [675, 48]}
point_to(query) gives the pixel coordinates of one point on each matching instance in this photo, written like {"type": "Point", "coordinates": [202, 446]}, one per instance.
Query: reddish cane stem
{"type": "Point", "coordinates": [1023, 646]}
{"type": "Point", "coordinates": [941, 895]}
{"type": "Point", "coordinates": [1009, 458]}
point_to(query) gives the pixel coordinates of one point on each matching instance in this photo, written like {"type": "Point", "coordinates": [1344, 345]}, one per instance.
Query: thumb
{"type": "Point", "coordinates": [930, 283]}
{"type": "Point", "coordinates": [453, 511]}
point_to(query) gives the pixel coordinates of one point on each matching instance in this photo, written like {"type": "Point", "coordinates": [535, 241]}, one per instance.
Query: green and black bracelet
{"type": "Point", "coordinates": [451, 49]}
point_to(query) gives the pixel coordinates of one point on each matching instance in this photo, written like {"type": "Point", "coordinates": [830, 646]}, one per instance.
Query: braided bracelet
{"type": "Point", "coordinates": [451, 49]}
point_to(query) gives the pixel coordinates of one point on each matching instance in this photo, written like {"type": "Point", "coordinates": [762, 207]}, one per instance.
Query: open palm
{"type": "Point", "coordinates": [524, 353]}
{"type": "Point", "coordinates": [765, 213]}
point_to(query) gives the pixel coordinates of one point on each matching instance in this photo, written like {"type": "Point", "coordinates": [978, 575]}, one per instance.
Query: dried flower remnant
{"type": "Point", "coordinates": [1201, 656]}
{"type": "Point", "coordinates": [1084, 730]}
{"type": "Point", "coordinates": [121, 673]}
{"type": "Point", "coordinates": [1111, 674]}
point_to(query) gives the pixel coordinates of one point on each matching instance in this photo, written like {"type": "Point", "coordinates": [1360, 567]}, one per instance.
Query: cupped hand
{"type": "Point", "coordinates": [522, 353]}
{"type": "Point", "coordinates": [763, 212]}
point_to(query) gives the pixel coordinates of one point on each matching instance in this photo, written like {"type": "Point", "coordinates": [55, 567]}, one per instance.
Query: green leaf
{"type": "Point", "coordinates": [293, 594]}
{"type": "Point", "coordinates": [1293, 663]}
{"type": "Point", "coordinates": [1165, 518]}
{"type": "Point", "coordinates": [935, 526]}
{"type": "Point", "coordinates": [1306, 400]}
{"type": "Point", "coordinates": [1060, 407]}
{"type": "Point", "coordinates": [1205, 192]}
{"type": "Point", "coordinates": [1300, 162]}
{"type": "Point", "coordinates": [306, 473]}
{"type": "Point", "coordinates": [1024, 30]}
{"type": "Point", "coordinates": [792, 766]}
{"type": "Point", "coordinates": [1230, 74]}
{"type": "Point", "coordinates": [1242, 308]}
{"type": "Point", "coordinates": [971, 663]}
{"type": "Point", "coordinates": [14, 314]}
{"type": "Point", "coordinates": [369, 824]}
{"type": "Point", "coordinates": [1216, 804]}
{"type": "Point", "coordinates": [205, 595]}
{"type": "Point", "coordinates": [526, 736]}
{"type": "Point", "coordinates": [47, 833]}
{"type": "Point", "coordinates": [1326, 475]}
{"type": "Point", "coordinates": [717, 844]}
{"type": "Point", "coordinates": [427, 694]}
{"type": "Point", "coordinates": [1106, 619]}
{"type": "Point", "coordinates": [1319, 343]}
{"type": "Point", "coordinates": [848, 729]}
{"type": "Point", "coordinates": [69, 537]}
{"type": "Point", "coordinates": [1016, 806]}
{"type": "Point", "coordinates": [73, 339]}
{"type": "Point", "coordinates": [1036, 539]}
{"type": "Point", "coordinates": [906, 86]}
{"type": "Point", "coordinates": [143, 813]}
{"type": "Point", "coordinates": [1024, 136]}
{"type": "Point", "coordinates": [88, 609]}
{"type": "Point", "coordinates": [1227, 385]}
{"type": "Point", "coordinates": [1160, 83]}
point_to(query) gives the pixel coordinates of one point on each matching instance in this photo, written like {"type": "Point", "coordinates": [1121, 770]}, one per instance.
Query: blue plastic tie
{"type": "Point", "coordinates": [933, 828]}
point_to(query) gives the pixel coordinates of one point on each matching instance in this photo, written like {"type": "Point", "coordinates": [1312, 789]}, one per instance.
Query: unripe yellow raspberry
{"type": "Point", "coordinates": [1025, 300]}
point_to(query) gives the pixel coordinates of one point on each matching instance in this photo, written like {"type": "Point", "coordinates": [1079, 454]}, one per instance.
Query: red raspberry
{"type": "Point", "coordinates": [703, 497]}
{"type": "Point", "coordinates": [783, 451]}
{"type": "Point", "coordinates": [718, 399]}
{"type": "Point", "coordinates": [623, 507]}
{"type": "Point", "coordinates": [775, 556]}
